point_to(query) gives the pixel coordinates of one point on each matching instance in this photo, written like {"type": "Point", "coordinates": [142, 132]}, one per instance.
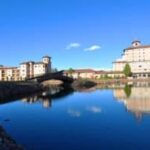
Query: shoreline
{"type": "Point", "coordinates": [113, 81]}
{"type": "Point", "coordinates": [7, 142]}
{"type": "Point", "coordinates": [14, 90]}
{"type": "Point", "coordinates": [19, 89]}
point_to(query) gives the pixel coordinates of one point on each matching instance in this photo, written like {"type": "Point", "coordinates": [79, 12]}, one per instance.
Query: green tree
{"type": "Point", "coordinates": [106, 76]}
{"type": "Point", "coordinates": [128, 90]}
{"type": "Point", "coordinates": [71, 71]}
{"type": "Point", "coordinates": [127, 70]}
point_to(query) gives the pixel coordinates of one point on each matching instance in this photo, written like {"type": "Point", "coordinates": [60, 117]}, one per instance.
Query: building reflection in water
{"type": "Point", "coordinates": [136, 98]}
{"type": "Point", "coordinates": [46, 101]}
{"type": "Point", "coordinates": [47, 97]}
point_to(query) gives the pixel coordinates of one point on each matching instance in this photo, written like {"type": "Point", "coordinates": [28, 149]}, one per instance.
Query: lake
{"type": "Point", "coordinates": [115, 117]}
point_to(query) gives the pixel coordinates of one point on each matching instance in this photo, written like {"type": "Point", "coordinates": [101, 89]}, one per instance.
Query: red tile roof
{"type": "Point", "coordinates": [84, 71]}
{"type": "Point", "coordinates": [94, 71]}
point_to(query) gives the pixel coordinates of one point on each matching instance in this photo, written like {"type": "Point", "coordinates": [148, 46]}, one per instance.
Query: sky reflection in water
{"type": "Point", "coordinates": [112, 118]}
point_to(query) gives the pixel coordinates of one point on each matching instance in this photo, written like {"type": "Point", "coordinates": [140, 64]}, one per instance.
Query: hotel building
{"type": "Point", "coordinates": [93, 74]}
{"type": "Point", "coordinates": [9, 73]}
{"type": "Point", "coordinates": [138, 57]}
{"type": "Point", "coordinates": [26, 70]}
{"type": "Point", "coordinates": [32, 69]}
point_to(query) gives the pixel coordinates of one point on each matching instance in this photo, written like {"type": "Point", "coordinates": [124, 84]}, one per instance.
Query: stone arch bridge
{"type": "Point", "coordinates": [49, 76]}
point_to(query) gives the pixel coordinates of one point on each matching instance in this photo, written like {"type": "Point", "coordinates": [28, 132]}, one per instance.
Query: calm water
{"type": "Point", "coordinates": [101, 119]}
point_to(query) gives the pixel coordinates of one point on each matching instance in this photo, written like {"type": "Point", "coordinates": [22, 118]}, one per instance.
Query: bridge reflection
{"type": "Point", "coordinates": [46, 100]}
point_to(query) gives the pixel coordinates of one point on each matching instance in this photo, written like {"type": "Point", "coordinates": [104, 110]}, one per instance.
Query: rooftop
{"type": "Point", "coordinates": [40, 62]}
{"type": "Point", "coordinates": [136, 41]}
{"type": "Point", "coordinates": [27, 62]}
{"type": "Point", "coordinates": [136, 45]}
{"type": "Point", "coordinates": [94, 71]}
{"type": "Point", "coordinates": [46, 56]}
{"type": "Point", "coordinates": [8, 67]}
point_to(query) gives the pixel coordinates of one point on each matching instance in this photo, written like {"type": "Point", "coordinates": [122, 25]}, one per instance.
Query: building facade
{"type": "Point", "coordinates": [26, 70]}
{"type": "Point", "coordinates": [138, 57]}
{"type": "Point", "coordinates": [9, 73]}
{"type": "Point", "coordinates": [32, 69]}
{"type": "Point", "coordinates": [93, 74]}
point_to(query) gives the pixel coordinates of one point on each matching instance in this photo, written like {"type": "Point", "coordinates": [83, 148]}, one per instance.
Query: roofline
{"type": "Point", "coordinates": [142, 46]}
{"type": "Point", "coordinates": [136, 41]}
{"type": "Point", "coordinates": [8, 68]}
{"type": "Point", "coordinates": [120, 62]}
{"type": "Point", "coordinates": [39, 63]}
{"type": "Point", "coordinates": [94, 71]}
{"type": "Point", "coordinates": [27, 62]}
{"type": "Point", "coordinates": [46, 56]}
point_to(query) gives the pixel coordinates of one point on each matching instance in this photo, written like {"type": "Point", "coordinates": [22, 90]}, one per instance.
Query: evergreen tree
{"type": "Point", "coordinates": [127, 70]}
{"type": "Point", "coordinates": [128, 90]}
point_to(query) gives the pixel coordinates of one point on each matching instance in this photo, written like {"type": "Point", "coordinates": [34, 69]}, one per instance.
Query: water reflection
{"type": "Point", "coordinates": [94, 109]}
{"type": "Point", "coordinates": [46, 98]}
{"type": "Point", "coordinates": [74, 113]}
{"type": "Point", "coordinates": [135, 97]}
{"type": "Point", "coordinates": [77, 112]}
{"type": "Point", "coordinates": [80, 117]}
{"type": "Point", "coordinates": [46, 102]}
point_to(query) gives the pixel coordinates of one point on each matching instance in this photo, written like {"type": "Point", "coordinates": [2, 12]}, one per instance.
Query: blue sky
{"type": "Point", "coordinates": [75, 33]}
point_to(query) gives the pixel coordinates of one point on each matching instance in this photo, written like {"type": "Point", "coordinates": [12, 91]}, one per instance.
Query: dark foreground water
{"type": "Point", "coordinates": [108, 119]}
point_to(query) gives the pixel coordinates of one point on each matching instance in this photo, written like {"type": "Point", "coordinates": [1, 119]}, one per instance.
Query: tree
{"type": "Point", "coordinates": [127, 70]}
{"type": "Point", "coordinates": [70, 71]}
{"type": "Point", "coordinates": [128, 90]}
{"type": "Point", "coordinates": [53, 70]}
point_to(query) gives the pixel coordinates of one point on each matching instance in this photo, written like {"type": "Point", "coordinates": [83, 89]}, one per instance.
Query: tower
{"type": "Point", "coordinates": [136, 43]}
{"type": "Point", "coordinates": [46, 60]}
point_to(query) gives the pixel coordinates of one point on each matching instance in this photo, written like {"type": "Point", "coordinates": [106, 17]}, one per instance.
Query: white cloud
{"type": "Point", "coordinates": [93, 48]}
{"type": "Point", "coordinates": [74, 113]}
{"type": "Point", "coordinates": [94, 109]}
{"type": "Point", "coordinates": [73, 45]}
